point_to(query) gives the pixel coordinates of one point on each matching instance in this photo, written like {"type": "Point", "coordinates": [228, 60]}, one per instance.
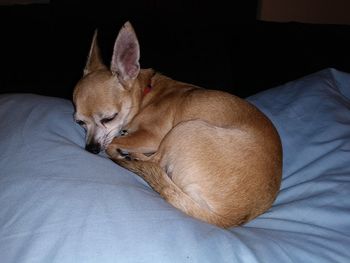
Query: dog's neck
{"type": "Point", "coordinates": [146, 85]}
{"type": "Point", "coordinates": [154, 85]}
{"type": "Point", "coordinates": [147, 90]}
{"type": "Point", "coordinates": [144, 80]}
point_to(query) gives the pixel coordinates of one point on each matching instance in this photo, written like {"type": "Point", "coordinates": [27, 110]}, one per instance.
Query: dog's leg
{"type": "Point", "coordinates": [137, 145]}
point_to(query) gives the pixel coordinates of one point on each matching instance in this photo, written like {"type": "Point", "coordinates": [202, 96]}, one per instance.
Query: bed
{"type": "Point", "coordinates": [59, 203]}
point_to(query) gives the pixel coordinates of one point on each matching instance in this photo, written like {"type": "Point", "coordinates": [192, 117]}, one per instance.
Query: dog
{"type": "Point", "coordinates": [210, 154]}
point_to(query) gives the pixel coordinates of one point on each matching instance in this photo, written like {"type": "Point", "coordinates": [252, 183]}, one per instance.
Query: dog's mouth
{"type": "Point", "coordinates": [100, 144]}
{"type": "Point", "coordinates": [96, 148]}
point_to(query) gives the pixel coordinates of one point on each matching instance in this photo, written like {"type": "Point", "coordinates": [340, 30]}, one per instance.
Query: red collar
{"type": "Point", "coordinates": [147, 90]}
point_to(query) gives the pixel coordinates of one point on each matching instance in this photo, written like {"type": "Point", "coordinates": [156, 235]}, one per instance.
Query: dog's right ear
{"type": "Point", "coordinates": [126, 55]}
{"type": "Point", "coordinates": [94, 61]}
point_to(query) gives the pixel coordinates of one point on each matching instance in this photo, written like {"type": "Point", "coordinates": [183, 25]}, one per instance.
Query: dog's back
{"type": "Point", "coordinates": [221, 155]}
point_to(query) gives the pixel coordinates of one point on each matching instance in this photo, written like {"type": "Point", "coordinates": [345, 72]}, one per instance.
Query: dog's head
{"type": "Point", "coordinates": [107, 99]}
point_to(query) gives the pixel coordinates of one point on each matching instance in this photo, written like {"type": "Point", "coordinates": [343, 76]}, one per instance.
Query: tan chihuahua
{"type": "Point", "coordinates": [208, 153]}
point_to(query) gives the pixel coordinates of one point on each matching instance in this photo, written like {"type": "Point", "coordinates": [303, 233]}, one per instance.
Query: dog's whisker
{"type": "Point", "coordinates": [114, 131]}
{"type": "Point", "coordinates": [108, 137]}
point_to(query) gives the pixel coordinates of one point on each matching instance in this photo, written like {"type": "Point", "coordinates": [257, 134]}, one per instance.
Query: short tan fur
{"type": "Point", "coordinates": [210, 154]}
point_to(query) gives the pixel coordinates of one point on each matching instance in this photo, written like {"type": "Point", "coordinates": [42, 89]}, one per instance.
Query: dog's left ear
{"type": "Point", "coordinates": [126, 55]}
{"type": "Point", "coordinates": [94, 61]}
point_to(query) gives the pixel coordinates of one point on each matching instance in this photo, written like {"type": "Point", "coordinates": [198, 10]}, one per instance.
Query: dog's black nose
{"type": "Point", "coordinates": [93, 148]}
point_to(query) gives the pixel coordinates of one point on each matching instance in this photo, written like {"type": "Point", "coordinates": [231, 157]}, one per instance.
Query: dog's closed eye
{"type": "Point", "coordinates": [80, 122]}
{"type": "Point", "coordinates": [109, 119]}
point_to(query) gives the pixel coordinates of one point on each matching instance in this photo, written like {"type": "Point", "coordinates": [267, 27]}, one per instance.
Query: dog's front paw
{"type": "Point", "coordinates": [116, 153]}
{"type": "Point", "coordinates": [124, 155]}
{"type": "Point", "coordinates": [112, 151]}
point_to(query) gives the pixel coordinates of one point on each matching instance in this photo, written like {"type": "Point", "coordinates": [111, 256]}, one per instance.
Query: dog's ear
{"type": "Point", "coordinates": [94, 61]}
{"type": "Point", "coordinates": [126, 55]}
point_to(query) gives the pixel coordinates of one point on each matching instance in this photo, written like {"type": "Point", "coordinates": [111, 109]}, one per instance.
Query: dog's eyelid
{"type": "Point", "coordinates": [80, 122]}
{"type": "Point", "coordinates": [108, 119]}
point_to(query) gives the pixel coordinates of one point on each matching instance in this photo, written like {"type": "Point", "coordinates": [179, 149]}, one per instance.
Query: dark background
{"type": "Point", "coordinates": [214, 44]}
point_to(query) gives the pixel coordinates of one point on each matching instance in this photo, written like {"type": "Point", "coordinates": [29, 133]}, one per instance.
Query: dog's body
{"type": "Point", "coordinates": [210, 154]}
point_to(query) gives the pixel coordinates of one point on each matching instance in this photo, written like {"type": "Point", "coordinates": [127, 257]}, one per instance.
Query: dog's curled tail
{"type": "Point", "coordinates": [157, 178]}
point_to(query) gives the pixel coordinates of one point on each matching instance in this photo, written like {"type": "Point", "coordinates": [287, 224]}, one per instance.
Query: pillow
{"type": "Point", "coordinates": [59, 203]}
